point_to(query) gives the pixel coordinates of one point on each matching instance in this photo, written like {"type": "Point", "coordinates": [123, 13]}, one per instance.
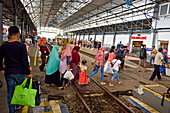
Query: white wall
{"type": "Point", "coordinates": [99, 37]}
{"type": "Point", "coordinates": [108, 40]}
{"type": "Point", "coordinates": [92, 36]}
{"type": "Point", "coordinates": [164, 36]}
{"type": "Point", "coordinates": [81, 37]}
{"type": "Point", "coordinates": [163, 22]}
{"type": "Point", "coordinates": [122, 37]}
{"type": "Point", "coordinates": [78, 37]}
{"type": "Point", "coordinates": [86, 37]}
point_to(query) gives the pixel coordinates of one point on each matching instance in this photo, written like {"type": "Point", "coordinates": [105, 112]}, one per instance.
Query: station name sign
{"type": "Point", "coordinates": [139, 37]}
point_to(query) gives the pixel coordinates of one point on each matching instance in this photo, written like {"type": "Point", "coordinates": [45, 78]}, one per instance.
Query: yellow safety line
{"type": "Point", "coordinates": [145, 87]}
{"type": "Point", "coordinates": [25, 109]}
{"type": "Point", "coordinates": [35, 58]}
{"type": "Point", "coordinates": [147, 107]}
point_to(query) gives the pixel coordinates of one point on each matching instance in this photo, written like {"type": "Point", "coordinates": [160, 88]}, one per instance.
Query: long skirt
{"type": "Point", "coordinates": [75, 70]}
{"type": "Point", "coordinates": [162, 69]}
{"type": "Point", "coordinates": [53, 78]}
{"type": "Point", "coordinates": [83, 78]}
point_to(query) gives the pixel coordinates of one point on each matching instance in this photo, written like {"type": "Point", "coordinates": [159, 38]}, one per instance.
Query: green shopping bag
{"type": "Point", "coordinates": [24, 96]}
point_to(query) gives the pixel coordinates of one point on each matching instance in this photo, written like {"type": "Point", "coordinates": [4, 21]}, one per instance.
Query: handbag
{"type": "Point", "coordinates": [23, 95]}
{"type": "Point", "coordinates": [69, 75]}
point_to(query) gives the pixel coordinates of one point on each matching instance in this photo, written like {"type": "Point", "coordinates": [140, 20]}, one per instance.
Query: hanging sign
{"type": "Point", "coordinates": [139, 37]}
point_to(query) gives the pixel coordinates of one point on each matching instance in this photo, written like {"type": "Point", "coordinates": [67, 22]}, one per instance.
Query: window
{"type": "Point", "coordinates": [163, 9]}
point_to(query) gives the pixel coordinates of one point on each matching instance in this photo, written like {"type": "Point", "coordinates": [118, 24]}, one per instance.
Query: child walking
{"type": "Point", "coordinates": [116, 65]}
{"type": "Point", "coordinates": [83, 77]}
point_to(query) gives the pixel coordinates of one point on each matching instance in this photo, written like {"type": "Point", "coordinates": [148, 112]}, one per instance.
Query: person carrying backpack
{"type": "Point", "coordinates": [143, 57]}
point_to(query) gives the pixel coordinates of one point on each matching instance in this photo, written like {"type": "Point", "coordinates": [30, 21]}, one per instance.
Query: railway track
{"type": "Point", "coordinates": [106, 103]}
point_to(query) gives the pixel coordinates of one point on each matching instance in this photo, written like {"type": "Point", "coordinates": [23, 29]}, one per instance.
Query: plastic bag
{"type": "Point", "coordinates": [69, 75]}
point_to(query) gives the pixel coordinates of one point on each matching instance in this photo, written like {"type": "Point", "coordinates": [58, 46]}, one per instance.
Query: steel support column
{"type": "Point", "coordinates": [76, 37]}
{"type": "Point", "coordinates": [89, 37]}
{"type": "Point", "coordinates": [83, 36]}
{"type": "Point", "coordinates": [15, 20]}
{"type": "Point", "coordinates": [27, 28]}
{"type": "Point", "coordinates": [79, 36]}
{"type": "Point", "coordinates": [1, 22]}
{"type": "Point", "coordinates": [130, 45]}
{"type": "Point", "coordinates": [22, 32]}
{"type": "Point", "coordinates": [103, 39]}
{"type": "Point", "coordinates": [114, 38]}
{"type": "Point", "coordinates": [156, 11]}
{"type": "Point", "coordinates": [95, 36]}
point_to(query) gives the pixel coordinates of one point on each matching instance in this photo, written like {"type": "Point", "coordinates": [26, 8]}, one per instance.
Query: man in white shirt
{"type": "Point", "coordinates": [158, 61]}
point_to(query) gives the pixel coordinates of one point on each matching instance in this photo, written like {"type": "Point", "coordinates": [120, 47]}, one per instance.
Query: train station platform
{"type": "Point", "coordinates": [130, 78]}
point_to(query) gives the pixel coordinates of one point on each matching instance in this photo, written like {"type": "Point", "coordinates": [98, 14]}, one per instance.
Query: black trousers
{"type": "Point", "coordinates": [43, 58]}
{"type": "Point", "coordinates": [156, 73]}
{"type": "Point", "coordinates": [122, 63]}
{"type": "Point", "coordinates": [63, 80]}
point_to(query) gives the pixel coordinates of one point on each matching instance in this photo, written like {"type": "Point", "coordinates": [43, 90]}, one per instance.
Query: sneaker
{"type": "Point", "coordinates": [120, 82]}
{"type": "Point", "coordinates": [111, 84]}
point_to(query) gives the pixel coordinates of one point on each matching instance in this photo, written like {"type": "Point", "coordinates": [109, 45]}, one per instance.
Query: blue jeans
{"type": "Point", "coordinates": [152, 58]}
{"type": "Point", "coordinates": [96, 70]}
{"type": "Point", "coordinates": [90, 46]}
{"type": "Point", "coordinates": [115, 75]}
{"type": "Point", "coordinates": [12, 80]}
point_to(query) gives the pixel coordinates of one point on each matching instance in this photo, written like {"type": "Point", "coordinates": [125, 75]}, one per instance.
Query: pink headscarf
{"type": "Point", "coordinates": [100, 55]}
{"type": "Point", "coordinates": [164, 50]}
{"type": "Point", "coordinates": [67, 52]}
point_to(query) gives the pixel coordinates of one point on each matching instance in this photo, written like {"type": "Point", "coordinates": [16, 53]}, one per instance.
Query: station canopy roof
{"type": "Point", "coordinates": [72, 15]}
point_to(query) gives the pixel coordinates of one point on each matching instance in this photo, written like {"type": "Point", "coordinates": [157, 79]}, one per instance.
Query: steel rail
{"type": "Point", "coordinates": [81, 98]}
{"type": "Point", "coordinates": [118, 102]}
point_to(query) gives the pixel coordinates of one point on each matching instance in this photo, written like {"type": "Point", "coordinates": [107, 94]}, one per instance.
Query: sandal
{"type": "Point", "coordinates": [61, 88]}
{"type": "Point", "coordinates": [67, 85]}
{"type": "Point", "coordinates": [110, 84]}
{"type": "Point", "coordinates": [48, 85]}
{"type": "Point", "coordinates": [103, 83]}
{"type": "Point", "coordinates": [19, 109]}
{"type": "Point", "coordinates": [105, 75]}
{"type": "Point", "coordinates": [120, 82]}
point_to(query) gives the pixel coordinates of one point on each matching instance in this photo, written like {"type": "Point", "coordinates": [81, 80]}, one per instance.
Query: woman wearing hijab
{"type": "Point", "coordinates": [75, 62]}
{"type": "Point", "coordinates": [99, 60]}
{"type": "Point", "coordinates": [52, 68]}
{"type": "Point", "coordinates": [65, 65]}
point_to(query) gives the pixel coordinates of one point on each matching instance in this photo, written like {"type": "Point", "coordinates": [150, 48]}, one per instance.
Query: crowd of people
{"type": "Point", "coordinates": [64, 57]}
{"type": "Point", "coordinates": [158, 58]}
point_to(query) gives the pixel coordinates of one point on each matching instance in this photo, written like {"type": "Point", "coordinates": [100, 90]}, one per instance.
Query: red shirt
{"type": "Point", "coordinates": [44, 50]}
